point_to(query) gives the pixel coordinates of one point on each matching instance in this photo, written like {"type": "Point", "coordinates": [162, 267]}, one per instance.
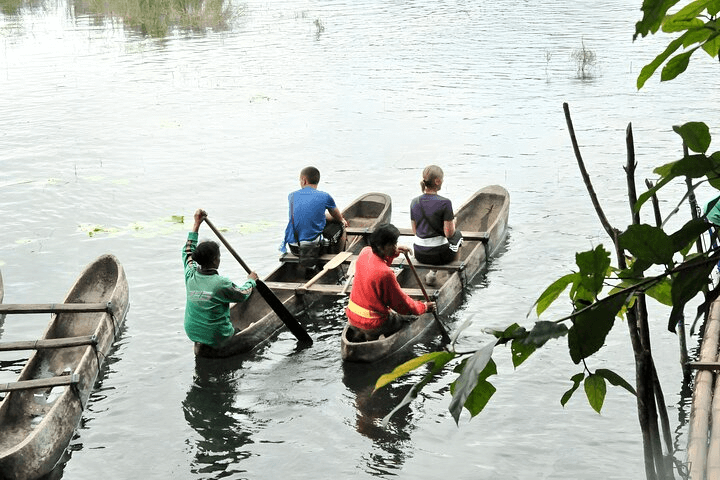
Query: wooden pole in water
{"type": "Point", "coordinates": [700, 410]}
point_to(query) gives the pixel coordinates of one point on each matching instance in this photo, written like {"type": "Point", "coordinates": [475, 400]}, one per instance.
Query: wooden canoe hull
{"type": "Point", "coordinates": [258, 322]}
{"type": "Point", "coordinates": [486, 211]}
{"type": "Point", "coordinates": [38, 424]}
{"type": "Point", "coordinates": [2, 294]}
{"type": "Point", "coordinates": [382, 348]}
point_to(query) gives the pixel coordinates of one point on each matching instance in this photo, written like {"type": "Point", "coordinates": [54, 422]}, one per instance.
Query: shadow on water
{"type": "Point", "coordinates": [209, 408]}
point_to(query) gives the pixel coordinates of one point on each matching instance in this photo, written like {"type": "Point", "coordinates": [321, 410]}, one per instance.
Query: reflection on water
{"type": "Point", "coordinates": [210, 410]}
{"type": "Point", "coordinates": [392, 440]}
{"type": "Point", "coordinates": [154, 18]}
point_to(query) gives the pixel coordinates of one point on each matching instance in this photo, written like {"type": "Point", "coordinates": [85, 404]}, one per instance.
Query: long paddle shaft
{"type": "Point", "coordinates": [336, 261]}
{"type": "Point", "coordinates": [443, 330]}
{"type": "Point", "coordinates": [271, 299]}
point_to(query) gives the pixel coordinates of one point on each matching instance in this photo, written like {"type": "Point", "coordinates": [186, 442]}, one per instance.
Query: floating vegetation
{"type": "Point", "coordinates": [166, 226]}
{"type": "Point", "coordinates": [93, 230]}
{"type": "Point", "coordinates": [259, 98]}
{"type": "Point", "coordinates": [585, 60]}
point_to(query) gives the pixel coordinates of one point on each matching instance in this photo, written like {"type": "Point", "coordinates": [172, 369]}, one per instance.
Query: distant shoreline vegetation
{"type": "Point", "coordinates": [158, 18]}
{"type": "Point", "coordinates": [151, 18]}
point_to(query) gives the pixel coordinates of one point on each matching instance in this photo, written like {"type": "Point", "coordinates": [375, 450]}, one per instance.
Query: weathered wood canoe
{"type": "Point", "coordinates": [2, 294]}
{"type": "Point", "coordinates": [258, 322]}
{"type": "Point", "coordinates": [41, 411]}
{"type": "Point", "coordinates": [483, 222]}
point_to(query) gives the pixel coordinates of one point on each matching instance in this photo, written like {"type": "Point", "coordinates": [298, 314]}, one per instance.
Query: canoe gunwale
{"type": "Point", "coordinates": [41, 445]}
{"type": "Point", "coordinates": [460, 274]}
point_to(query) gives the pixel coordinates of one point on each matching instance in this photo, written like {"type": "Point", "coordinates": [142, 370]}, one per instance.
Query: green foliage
{"type": "Point", "coordinates": [471, 389]}
{"type": "Point", "coordinates": [700, 29]}
{"type": "Point", "coordinates": [680, 276]}
{"type": "Point", "coordinates": [595, 387]}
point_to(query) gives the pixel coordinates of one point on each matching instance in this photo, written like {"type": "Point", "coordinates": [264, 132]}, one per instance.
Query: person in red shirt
{"type": "Point", "coordinates": [377, 305]}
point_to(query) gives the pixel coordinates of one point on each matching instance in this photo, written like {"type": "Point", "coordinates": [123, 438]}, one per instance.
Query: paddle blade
{"type": "Point", "coordinates": [287, 318]}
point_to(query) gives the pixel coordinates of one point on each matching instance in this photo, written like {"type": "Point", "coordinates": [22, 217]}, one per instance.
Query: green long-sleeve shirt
{"type": "Point", "coordinates": [207, 309]}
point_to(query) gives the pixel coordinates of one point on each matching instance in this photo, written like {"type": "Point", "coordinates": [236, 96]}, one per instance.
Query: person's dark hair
{"type": "Point", "coordinates": [206, 253]}
{"type": "Point", "coordinates": [384, 234]}
{"type": "Point", "coordinates": [312, 174]}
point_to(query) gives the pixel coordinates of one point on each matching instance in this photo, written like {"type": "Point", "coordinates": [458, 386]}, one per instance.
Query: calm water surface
{"type": "Point", "coordinates": [106, 134]}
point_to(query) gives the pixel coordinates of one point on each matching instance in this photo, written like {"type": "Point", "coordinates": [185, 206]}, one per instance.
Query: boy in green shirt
{"type": "Point", "coordinates": [207, 309]}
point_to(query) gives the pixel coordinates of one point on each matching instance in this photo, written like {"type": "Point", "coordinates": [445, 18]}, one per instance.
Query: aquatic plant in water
{"type": "Point", "coordinates": [156, 18]}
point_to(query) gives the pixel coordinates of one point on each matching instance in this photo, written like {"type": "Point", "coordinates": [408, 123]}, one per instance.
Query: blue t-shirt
{"type": "Point", "coordinates": [307, 206]}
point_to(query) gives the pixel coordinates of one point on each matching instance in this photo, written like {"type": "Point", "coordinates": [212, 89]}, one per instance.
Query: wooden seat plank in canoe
{"type": "Point", "coordinates": [59, 381]}
{"type": "Point", "coordinates": [407, 232]}
{"type": "Point", "coordinates": [42, 344]}
{"type": "Point", "coordinates": [332, 290]}
{"type": "Point", "coordinates": [55, 307]}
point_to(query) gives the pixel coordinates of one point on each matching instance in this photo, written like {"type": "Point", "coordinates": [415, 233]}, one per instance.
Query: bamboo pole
{"type": "Point", "coordinates": [712, 469]}
{"type": "Point", "coordinates": [702, 398]}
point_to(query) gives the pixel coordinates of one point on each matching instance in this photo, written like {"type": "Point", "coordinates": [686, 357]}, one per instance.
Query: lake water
{"type": "Point", "coordinates": [106, 134]}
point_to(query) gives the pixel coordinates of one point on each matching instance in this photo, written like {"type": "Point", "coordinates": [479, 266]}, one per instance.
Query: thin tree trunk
{"type": "Point", "coordinates": [640, 363]}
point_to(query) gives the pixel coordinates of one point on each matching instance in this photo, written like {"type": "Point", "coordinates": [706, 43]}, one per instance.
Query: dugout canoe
{"type": "Point", "coordinates": [483, 221]}
{"type": "Point", "coordinates": [2, 294]}
{"type": "Point", "coordinates": [40, 412]}
{"type": "Point", "coordinates": [258, 322]}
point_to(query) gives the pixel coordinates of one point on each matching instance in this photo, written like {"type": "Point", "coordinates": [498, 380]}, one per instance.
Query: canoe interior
{"type": "Point", "coordinates": [38, 424]}
{"type": "Point", "coordinates": [486, 211]}
{"type": "Point", "coordinates": [256, 318]}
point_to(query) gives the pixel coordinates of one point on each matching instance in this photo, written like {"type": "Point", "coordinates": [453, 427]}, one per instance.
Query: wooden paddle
{"type": "Point", "coordinates": [443, 330]}
{"type": "Point", "coordinates": [272, 300]}
{"type": "Point", "coordinates": [350, 275]}
{"type": "Point", "coordinates": [333, 263]}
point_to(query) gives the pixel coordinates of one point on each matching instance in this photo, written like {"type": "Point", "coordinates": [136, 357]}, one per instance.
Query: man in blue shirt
{"type": "Point", "coordinates": [309, 212]}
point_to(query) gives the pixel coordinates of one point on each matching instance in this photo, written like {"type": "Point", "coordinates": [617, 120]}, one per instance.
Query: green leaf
{"type": "Point", "coordinates": [686, 284]}
{"type": "Point", "coordinates": [483, 391]}
{"type": "Point", "coordinates": [412, 394]}
{"type": "Point", "coordinates": [512, 332]}
{"type": "Point", "coordinates": [591, 326]}
{"type": "Point", "coordinates": [653, 14]}
{"type": "Point", "coordinates": [177, 218]}
{"type": "Point", "coordinates": [676, 65]}
{"type": "Point", "coordinates": [521, 351]}
{"type": "Point", "coordinates": [648, 243]}
{"type": "Point", "coordinates": [411, 365]}
{"type": "Point", "coordinates": [661, 292]}
{"type": "Point", "coordinates": [468, 379]}
{"type": "Point", "coordinates": [696, 135]}
{"type": "Point", "coordinates": [595, 390]}
{"type": "Point", "coordinates": [593, 265]}
{"type": "Point", "coordinates": [712, 45]}
{"type": "Point", "coordinates": [615, 379]}
{"type": "Point", "coordinates": [688, 234]}
{"type": "Point", "coordinates": [649, 69]}
{"type": "Point", "coordinates": [552, 292]}
{"type": "Point", "coordinates": [713, 7]}
{"type": "Point", "coordinates": [544, 331]}
{"type": "Point", "coordinates": [577, 378]}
